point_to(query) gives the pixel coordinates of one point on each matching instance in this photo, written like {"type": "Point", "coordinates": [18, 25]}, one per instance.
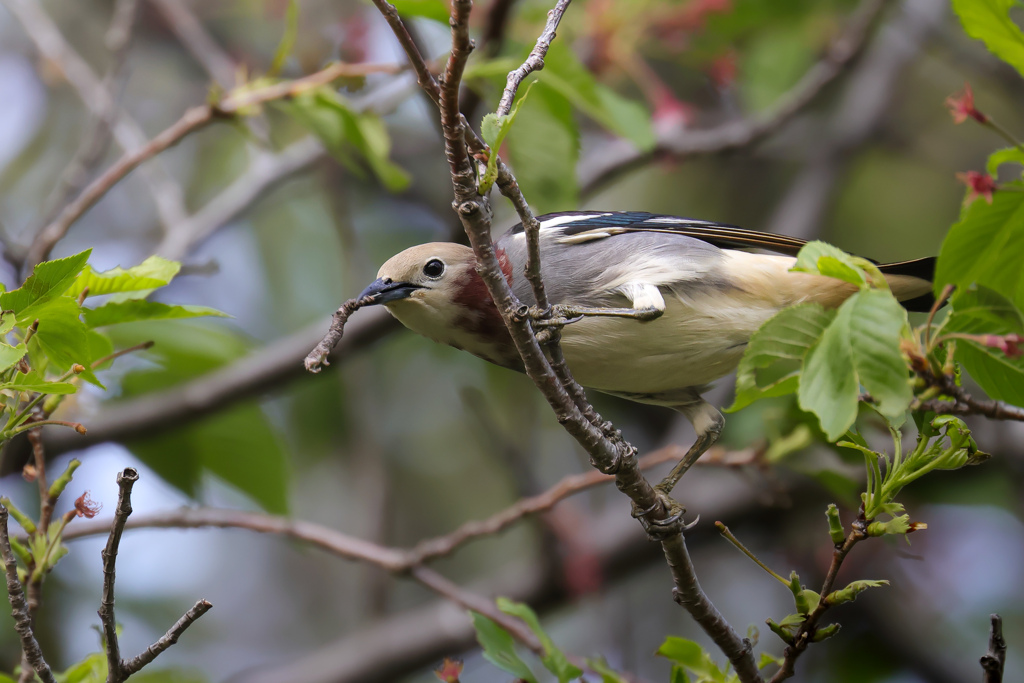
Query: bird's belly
{"type": "Point", "coordinates": [692, 344]}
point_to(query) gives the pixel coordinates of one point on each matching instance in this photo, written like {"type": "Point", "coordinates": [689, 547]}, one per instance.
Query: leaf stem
{"type": "Point", "coordinates": [724, 530]}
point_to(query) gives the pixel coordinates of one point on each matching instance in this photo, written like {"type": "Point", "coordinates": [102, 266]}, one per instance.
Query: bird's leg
{"type": "Point", "coordinates": [708, 423]}
{"type": "Point", "coordinates": [647, 304]}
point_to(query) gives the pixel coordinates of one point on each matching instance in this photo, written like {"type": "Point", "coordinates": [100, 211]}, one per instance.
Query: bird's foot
{"type": "Point", "coordinates": [662, 527]}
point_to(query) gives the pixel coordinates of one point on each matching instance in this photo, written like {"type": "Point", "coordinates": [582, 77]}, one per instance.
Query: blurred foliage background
{"type": "Point", "coordinates": [406, 439]}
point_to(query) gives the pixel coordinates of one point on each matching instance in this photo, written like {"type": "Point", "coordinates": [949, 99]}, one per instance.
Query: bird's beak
{"type": "Point", "coordinates": [384, 290]}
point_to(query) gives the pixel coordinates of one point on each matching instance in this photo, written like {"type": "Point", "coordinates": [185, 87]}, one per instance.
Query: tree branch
{"type": "Point", "coordinates": [198, 42]}
{"type": "Point", "coordinates": [992, 662]}
{"type": "Point", "coordinates": [535, 62]}
{"type": "Point", "coordinates": [807, 629]}
{"type": "Point", "coordinates": [19, 608]}
{"type": "Point", "coordinates": [48, 39]}
{"type": "Point", "coordinates": [192, 120]}
{"type": "Point", "coordinates": [125, 481]}
{"type": "Point", "coordinates": [133, 665]}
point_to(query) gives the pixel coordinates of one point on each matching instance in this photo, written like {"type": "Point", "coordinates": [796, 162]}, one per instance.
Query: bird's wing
{"type": "Point", "coordinates": [574, 227]}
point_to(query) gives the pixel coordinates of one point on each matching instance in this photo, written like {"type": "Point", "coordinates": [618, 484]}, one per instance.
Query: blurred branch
{"type": "Point", "coordinates": [863, 106]}
{"type": "Point", "coordinates": [259, 372]}
{"type": "Point", "coordinates": [96, 143]}
{"type": "Point", "coordinates": [992, 662]}
{"type": "Point", "coordinates": [99, 100]}
{"type": "Point", "coordinates": [198, 41]}
{"type": "Point", "coordinates": [395, 560]}
{"type": "Point", "coordinates": [535, 62]}
{"type": "Point", "coordinates": [19, 608]}
{"type": "Point", "coordinates": [612, 160]}
{"type": "Point", "coordinates": [233, 103]}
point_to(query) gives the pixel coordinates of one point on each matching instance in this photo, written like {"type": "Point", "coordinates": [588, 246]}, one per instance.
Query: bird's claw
{"type": "Point", "coordinates": [660, 529]}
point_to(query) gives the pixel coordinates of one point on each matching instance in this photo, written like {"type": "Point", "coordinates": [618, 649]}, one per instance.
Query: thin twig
{"type": "Point", "coordinates": [50, 42]}
{"type": "Point", "coordinates": [535, 62]}
{"type": "Point", "coordinates": [131, 666]}
{"type": "Point", "coordinates": [993, 661]}
{"type": "Point", "coordinates": [125, 481]}
{"type": "Point", "coordinates": [193, 119]}
{"type": "Point", "coordinates": [807, 629]}
{"type": "Point", "coordinates": [613, 456]}
{"type": "Point", "coordinates": [424, 77]}
{"type": "Point", "coordinates": [19, 608]}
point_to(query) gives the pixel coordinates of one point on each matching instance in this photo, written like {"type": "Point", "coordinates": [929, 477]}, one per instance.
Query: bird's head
{"type": "Point", "coordinates": [425, 287]}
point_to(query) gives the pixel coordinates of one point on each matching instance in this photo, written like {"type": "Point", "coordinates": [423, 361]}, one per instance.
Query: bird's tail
{"type": "Point", "coordinates": [911, 282]}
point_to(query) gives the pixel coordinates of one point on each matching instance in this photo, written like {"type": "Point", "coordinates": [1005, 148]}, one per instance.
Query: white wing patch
{"type": "Point", "coordinates": [644, 296]}
{"type": "Point", "coordinates": [571, 218]}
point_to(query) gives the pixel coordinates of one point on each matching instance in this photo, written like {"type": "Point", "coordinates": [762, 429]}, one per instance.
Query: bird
{"type": "Point", "coordinates": [657, 307]}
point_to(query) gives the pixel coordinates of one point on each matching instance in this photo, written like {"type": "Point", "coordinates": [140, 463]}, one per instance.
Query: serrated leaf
{"type": "Point", "coordinates": [63, 337]}
{"type": "Point", "coordinates": [859, 347]}
{"type": "Point", "coordinates": [1008, 155]}
{"type": "Point", "coordinates": [139, 309]}
{"type": "Point", "coordinates": [499, 648]}
{"type": "Point", "coordinates": [772, 360]}
{"type": "Point", "coordinates": [990, 22]}
{"type": "Point", "coordinates": [821, 258]}
{"type": "Point", "coordinates": [153, 273]}
{"type": "Point", "coordinates": [49, 280]}
{"type": "Point", "coordinates": [979, 311]}
{"type": "Point", "coordinates": [554, 660]}
{"type": "Point", "coordinates": [986, 247]}
{"type": "Point", "coordinates": [9, 355]}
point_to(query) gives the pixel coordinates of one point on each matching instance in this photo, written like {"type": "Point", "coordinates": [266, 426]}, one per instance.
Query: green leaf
{"type": "Point", "coordinates": [544, 149]}
{"type": "Point", "coordinates": [1008, 155]}
{"type": "Point", "coordinates": [7, 321]}
{"type": "Point", "coordinates": [693, 658]}
{"type": "Point", "coordinates": [554, 660]}
{"type": "Point", "coordinates": [767, 659]}
{"type": "Point", "coordinates": [182, 455]}
{"type": "Point", "coordinates": [291, 31]}
{"type": "Point", "coordinates": [859, 347]}
{"type": "Point", "coordinates": [772, 360]}
{"type": "Point", "coordinates": [347, 134]}
{"type": "Point", "coordinates": [40, 387]}
{"type": "Point", "coordinates": [990, 22]}
{"type": "Point", "coordinates": [852, 590]}
{"type": "Point", "coordinates": [494, 128]}
{"type": "Point", "coordinates": [607, 674]}
{"type": "Point", "coordinates": [141, 280]}
{"type": "Point", "coordinates": [428, 9]}
{"type": "Point", "coordinates": [48, 281]}
{"type": "Point", "coordinates": [564, 72]}
{"type": "Point", "coordinates": [821, 258]}
{"type": "Point", "coordinates": [92, 669]}
{"type": "Point", "coordinates": [140, 309]}
{"type": "Point", "coordinates": [9, 355]}
{"type": "Point", "coordinates": [63, 337]}
{"type": "Point", "coordinates": [499, 648]}
{"type": "Point", "coordinates": [986, 247]}
{"type": "Point", "coordinates": [980, 310]}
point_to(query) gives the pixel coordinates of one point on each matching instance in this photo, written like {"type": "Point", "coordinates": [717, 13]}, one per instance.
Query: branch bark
{"type": "Point", "coordinates": [992, 662]}
{"type": "Point", "coordinates": [19, 608]}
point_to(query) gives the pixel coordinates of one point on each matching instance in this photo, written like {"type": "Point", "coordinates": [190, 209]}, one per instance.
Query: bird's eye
{"type": "Point", "coordinates": [434, 268]}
